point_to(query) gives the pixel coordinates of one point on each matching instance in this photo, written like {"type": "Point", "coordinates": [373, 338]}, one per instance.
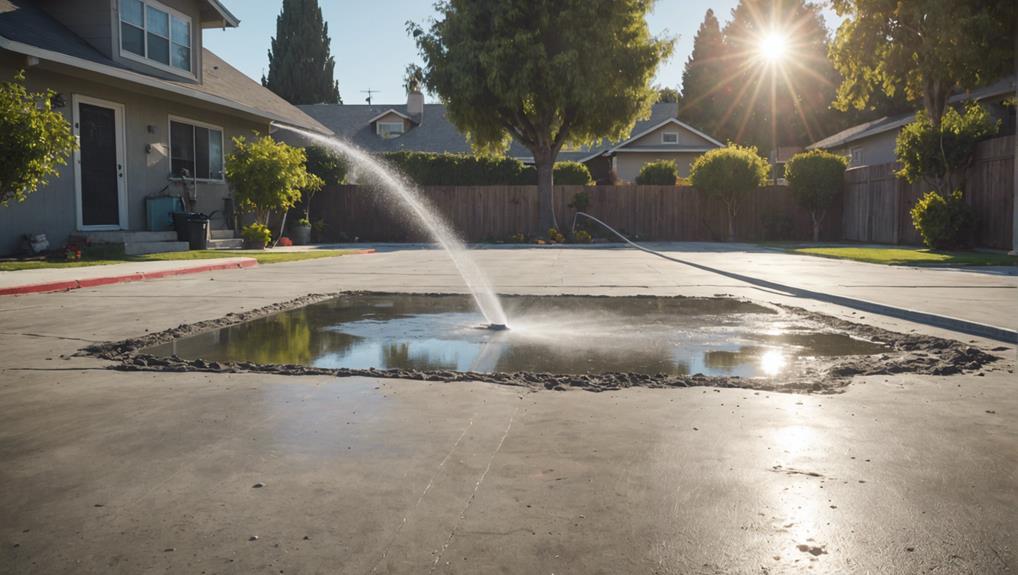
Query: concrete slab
{"type": "Point", "coordinates": [112, 472]}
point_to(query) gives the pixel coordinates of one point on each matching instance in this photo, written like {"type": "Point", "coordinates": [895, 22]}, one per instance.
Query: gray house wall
{"type": "Point", "coordinates": [627, 165]}
{"type": "Point", "coordinates": [52, 209]}
{"type": "Point", "coordinates": [876, 149]}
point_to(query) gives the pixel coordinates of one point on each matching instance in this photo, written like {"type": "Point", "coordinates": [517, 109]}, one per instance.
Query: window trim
{"type": "Point", "coordinates": [169, 147]}
{"type": "Point", "coordinates": [851, 156]}
{"type": "Point", "coordinates": [663, 134]}
{"type": "Point", "coordinates": [378, 129]}
{"type": "Point", "coordinates": [145, 59]}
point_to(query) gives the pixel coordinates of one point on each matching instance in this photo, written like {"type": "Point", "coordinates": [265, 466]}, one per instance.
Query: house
{"type": "Point", "coordinates": [416, 126]}
{"type": "Point", "coordinates": [148, 105]}
{"type": "Point", "coordinates": [872, 143]}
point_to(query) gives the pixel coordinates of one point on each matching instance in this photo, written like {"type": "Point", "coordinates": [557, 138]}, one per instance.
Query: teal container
{"type": "Point", "coordinates": [159, 212]}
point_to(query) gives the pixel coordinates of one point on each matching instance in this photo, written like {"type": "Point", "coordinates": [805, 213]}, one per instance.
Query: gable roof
{"type": "Point", "coordinates": [26, 29]}
{"type": "Point", "coordinates": [385, 113]}
{"type": "Point", "coordinates": [436, 133]}
{"type": "Point", "coordinates": [624, 146]}
{"type": "Point", "coordinates": [881, 125]}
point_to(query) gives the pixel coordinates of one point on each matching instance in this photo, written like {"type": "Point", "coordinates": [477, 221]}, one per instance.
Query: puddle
{"type": "Point", "coordinates": [575, 335]}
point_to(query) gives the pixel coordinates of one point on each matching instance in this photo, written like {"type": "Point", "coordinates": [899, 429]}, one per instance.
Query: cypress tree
{"type": "Point", "coordinates": [300, 65]}
{"type": "Point", "coordinates": [705, 85]}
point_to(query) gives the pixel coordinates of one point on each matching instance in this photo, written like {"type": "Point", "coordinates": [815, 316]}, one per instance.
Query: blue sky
{"type": "Point", "coordinates": [371, 46]}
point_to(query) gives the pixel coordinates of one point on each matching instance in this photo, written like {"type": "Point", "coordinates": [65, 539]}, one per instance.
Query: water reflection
{"type": "Point", "coordinates": [559, 335]}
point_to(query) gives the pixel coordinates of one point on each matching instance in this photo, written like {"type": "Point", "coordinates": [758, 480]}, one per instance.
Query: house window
{"type": "Point", "coordinates": [669, 137]}
{"type": "Point", "coordinates": [389, 129]}
{"type": "Point", "coordinates": [155, 34]}
{"type": "Point", "coordinates": [856, 156]}
{"type": "Point", "coordinates": [197, 148]}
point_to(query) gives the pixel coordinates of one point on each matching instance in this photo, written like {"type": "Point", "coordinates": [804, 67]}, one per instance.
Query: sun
{"type": "Point", "coordinates": [773, 47]}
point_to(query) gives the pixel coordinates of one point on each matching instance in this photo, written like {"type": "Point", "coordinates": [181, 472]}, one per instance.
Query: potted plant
{"type": "Point", "coordinates": [300, 231]}
{"type": "Point", "coordinates": [256, 236]}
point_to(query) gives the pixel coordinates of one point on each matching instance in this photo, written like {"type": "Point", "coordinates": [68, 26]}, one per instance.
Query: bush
{"type": "Point", "coordinates": [816, 177]}
{"type": "Point", "coordinates": [941, 157]}
{"type": "Point", "coordinates": [555, 236]}
{"type": "Point", "coordinates": [582, 237]}
{"type": "Point", "coordinates": [659, 173]}
{"type": "Point", "coordinates": [35, 139]}
{"type": "Point", "coordinates": [571, 174]}
{"type": "Point", "coordinates": [256, 235]}
{"type": "Point", "coordinates": [944, 223]}
{"type": "Point", "coordinates": [728, 174]}
{"type": "Point", "coordinates": [266, 175]}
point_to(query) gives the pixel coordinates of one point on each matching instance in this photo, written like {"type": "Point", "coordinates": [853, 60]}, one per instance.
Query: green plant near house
{"type": "Point", "coordinates": [571, 174]}
{"type": "Point", "coordinates": [267, 176]}
{"type": "Point", "coordinates": [34, 140]}
{"type": "Point", "coordinates": [256, 235]}
{"type": "Point", "coordinates": [555, 236]}
{"type": "Point", "coordinates": [328, 166]}
{"type": "Point", "coordinates": [816, 177]}
{"type": "Point", "coordinates": [580, 201]}
{"type": "Point", "coordinates": [658, 173]}
{"type": "Point", "coordinates": [940, 156]}
{"type": "Point", "coordinates": [582, 237]}
{"type": "Point", "coordinates": [729, 174]}
{"type": "Point", "coordinates": [943, 223]}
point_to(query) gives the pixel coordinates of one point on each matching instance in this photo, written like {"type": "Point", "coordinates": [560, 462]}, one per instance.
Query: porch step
{"type": "Point", "coordinates": [226, 244]}
{"type": "Point", "coordinates": [136, 248]}
{"type": "Point", "coordinates": [223, 234]}
{"type": "Point", "coordinates": [124, 236]}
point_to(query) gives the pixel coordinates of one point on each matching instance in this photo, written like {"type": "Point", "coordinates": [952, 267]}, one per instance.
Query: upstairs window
{"type": "Point", "coordinates": [197, 148]}
{"type": "Point", "coordinates": [155, 34]}
{"type": "Point", "coordinates": [389, 129]}
{"type": "Point", "coordinates": [669, 137]}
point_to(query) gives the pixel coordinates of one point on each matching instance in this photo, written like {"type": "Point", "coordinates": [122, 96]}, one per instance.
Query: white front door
{"type": "Point", "coordinates": [99, 165]}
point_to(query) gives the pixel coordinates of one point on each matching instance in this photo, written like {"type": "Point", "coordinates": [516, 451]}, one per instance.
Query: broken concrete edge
{"type": "Point", "coordinates": [66, 285]}
{"type": "Point", "coordinates": [919, 354]}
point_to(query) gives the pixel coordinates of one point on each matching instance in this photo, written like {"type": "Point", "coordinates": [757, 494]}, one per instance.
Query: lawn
{"type": "Point", "coordinates": [100, 259]}
{"type": "Point", "coordinates": [906, 255]}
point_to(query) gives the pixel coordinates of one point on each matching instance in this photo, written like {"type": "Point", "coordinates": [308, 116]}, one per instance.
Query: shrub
{"type": "Point", "coordinates": [571, 174]}
{"type": "Point", "coordinates": [555, 236]}
{"type": "Point", "coordinates": [267, 175]}
{"type": "Point", "coordinates": [256, 235]}
{"type": "Point", "coordinates": [728, 174]}
{"type": "Point", "coordinates": [816, 177]}
{"type": "Point", "coordinates": [327, 165]}
{"type": "Point", "coordinates": [580, 201]}
{"type": "Point", "coordinates": [582, 237]}
{"type": "Point", "coordinates": [35, 139]}
{"type": "Point", "coordinates": [430, 169]}
{"type": "Point", "coordinates": [944, 223]}
{"type": "Point", "coordinates": [940, 157]}
{"type": "Point", "coordinates": [659, 173]}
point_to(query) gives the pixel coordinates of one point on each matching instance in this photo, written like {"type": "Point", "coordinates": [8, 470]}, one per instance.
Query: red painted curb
{"type": "Point", "coordinates": [139, 276]}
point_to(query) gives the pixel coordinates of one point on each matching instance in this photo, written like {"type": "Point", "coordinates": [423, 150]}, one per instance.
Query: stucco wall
{"type": "Point", "coordinates": [628, 165]}
{"type": "Point", "coordinates": [686, 138]}
{"type": "Point", "coordinates": [52, 210]}
{"type": "Point", "coordinates": [877, 149]}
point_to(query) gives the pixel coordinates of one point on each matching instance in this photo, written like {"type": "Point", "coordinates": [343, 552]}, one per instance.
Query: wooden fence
{"type": "Point", "coordinates": [877, 204]}
{"type": "Point", "coordinates": [874, 208]}
{"type": "Point", "coordinates": [493, 213]}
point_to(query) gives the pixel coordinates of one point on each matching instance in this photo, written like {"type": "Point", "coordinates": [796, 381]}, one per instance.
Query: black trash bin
{"type": "Point", "coordinates": [198, 231]}
{"type": "Point", "coordinates": [180, 224]}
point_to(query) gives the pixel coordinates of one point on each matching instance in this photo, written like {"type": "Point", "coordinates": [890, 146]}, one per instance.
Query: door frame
{"type": "Point", "coordinates": [119, 130]}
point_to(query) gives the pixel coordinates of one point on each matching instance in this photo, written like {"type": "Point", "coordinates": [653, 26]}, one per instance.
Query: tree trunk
{"type": "Point", "coordinates": [731, 222]}
{"type": "Point", "coordinates": [816, 225]}
{"type": "Point", "coordinates": [545, 163]}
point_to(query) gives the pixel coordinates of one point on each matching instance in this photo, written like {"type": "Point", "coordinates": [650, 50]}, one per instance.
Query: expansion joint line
{"type": "Point", "coordinates": [427, 488]}
{"type": "Point", "coordinates": [473, 495]}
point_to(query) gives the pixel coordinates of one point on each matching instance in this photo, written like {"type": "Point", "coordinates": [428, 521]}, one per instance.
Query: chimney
{"type": "Point", "coordinates": [415, 106]}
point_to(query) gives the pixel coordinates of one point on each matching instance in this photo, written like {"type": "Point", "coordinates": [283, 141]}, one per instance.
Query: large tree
{"type": "Point", "coordinates": [705, 84]}
{"type": "Point", "coordinates": [546, 73]}
{"type": "Point", "coordinates": [300, 64]}
{"type": "Point", "coordinates": [926, 48]}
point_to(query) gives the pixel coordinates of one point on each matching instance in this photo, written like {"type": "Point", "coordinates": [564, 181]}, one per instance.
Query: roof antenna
{"type": "Point", "coordinates": [369, 92]}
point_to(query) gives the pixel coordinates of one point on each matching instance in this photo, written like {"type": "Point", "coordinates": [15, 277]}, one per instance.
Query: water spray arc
{"type": "Point", "coordinates": [412, 202]}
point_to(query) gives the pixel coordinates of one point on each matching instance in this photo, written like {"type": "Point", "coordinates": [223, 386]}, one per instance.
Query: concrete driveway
{"type": "Point", "coordinates": [114, 472]}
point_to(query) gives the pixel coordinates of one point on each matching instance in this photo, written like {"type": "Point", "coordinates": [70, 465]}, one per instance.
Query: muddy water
{"type": "Point", "coordinates": [565, 335]}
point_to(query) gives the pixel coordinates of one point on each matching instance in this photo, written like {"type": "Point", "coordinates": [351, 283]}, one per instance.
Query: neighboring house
{"type": "Point", "coordinates": [146, 102]}
{"type": "Point", "coordinates": [422, 127]}
{"type": "Point", "coordinates": [873, 143]}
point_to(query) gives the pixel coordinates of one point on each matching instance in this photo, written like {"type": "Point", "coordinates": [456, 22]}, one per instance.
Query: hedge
{"type": "Point", "coordinates": [432, 169]}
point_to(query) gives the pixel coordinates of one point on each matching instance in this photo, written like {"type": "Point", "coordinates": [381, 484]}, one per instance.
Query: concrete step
{"type": "Point", "coordinates": [226, 244]}
{"type": "Point", "coordinates": [126, 236]}
{"type": "Point", "coordinates": [223, 234]}
{"type": "Point", "coordinates": [138, 248]}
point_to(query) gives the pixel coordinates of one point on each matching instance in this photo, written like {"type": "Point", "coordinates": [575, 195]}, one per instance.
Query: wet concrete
{"type": "Point", "coordinates": [125, 472]}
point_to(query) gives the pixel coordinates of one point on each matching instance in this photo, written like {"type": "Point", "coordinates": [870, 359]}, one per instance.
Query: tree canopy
{"type": "Point", "coordinates": [301, 67]}
{"type": "Point", "coordinates": [816, 177]}
{"type": "Point", "coordinates": [36, 139]}
{"type": "Point", "coordinates": [704, 88]}
{"type": "Point", "coordinates": [926, 49]}
{"type": "Point", "coordinates": [548, 74]}
{"type": "Point", "coordinates": [266, 175]}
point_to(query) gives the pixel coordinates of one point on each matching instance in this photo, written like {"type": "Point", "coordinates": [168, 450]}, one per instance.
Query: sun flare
{"type": "Point", "coordinates": [773, 47]}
